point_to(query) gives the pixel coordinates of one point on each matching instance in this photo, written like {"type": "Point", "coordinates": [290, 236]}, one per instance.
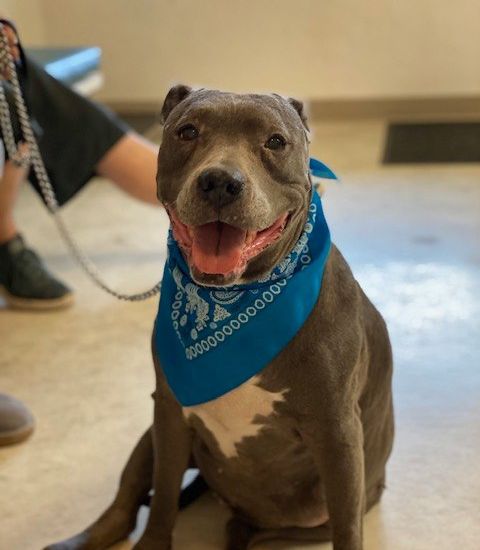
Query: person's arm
{"type": "Point", "coordinates": [130, 163]}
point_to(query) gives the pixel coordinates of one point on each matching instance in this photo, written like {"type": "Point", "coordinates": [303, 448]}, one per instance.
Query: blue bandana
{"type": "Point", "coordinates": [211, 340]}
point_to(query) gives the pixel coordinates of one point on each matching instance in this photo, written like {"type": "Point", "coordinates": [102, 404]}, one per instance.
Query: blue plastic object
{"type": "Point", "coordinates": [69, 65]}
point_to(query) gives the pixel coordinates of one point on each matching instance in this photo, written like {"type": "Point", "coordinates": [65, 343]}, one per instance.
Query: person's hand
{"type": "Point", "coordinates": [13, 43]}
{"type": "Point", "coordinates": [17, 167]}
{"type": "Point", "coordinates": [21, 159]}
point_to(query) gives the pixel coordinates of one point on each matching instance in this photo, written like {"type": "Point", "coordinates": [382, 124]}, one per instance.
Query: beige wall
{"type": "Point", "coordinates": [28, 14]}
{"type": "Point", "coordinates": [307, 48]}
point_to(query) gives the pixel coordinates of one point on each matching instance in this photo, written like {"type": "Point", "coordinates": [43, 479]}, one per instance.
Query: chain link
{"type": "Point", "coordinates": [9, 71]}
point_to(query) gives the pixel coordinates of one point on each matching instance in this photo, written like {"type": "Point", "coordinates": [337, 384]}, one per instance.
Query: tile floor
{"type": "Point", "coordinates": [412, 236]}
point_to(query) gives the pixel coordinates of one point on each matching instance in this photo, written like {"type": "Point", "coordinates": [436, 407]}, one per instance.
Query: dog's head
{"type": "Point", "coordinates": [233, 175]}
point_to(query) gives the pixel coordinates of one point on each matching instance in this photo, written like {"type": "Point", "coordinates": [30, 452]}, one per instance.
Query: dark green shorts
{"type": "Point", "coordinates": [73, 132]}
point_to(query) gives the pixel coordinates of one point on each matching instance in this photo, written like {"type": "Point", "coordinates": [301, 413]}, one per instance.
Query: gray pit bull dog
{"type": "Point", "coordinates": [298, 451]}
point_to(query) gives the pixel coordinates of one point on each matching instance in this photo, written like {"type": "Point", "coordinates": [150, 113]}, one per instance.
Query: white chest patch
{"type": "Point", "coordinates": [232, 416]}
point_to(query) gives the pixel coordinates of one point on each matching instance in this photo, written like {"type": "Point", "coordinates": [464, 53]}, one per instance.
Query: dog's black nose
{"type": "Point", "coordinates": [220, 187]}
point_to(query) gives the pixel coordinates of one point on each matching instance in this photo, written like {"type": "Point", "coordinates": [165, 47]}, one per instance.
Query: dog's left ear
{"type": "Point", "coordinates": [299, 107]}
{"type": "Point", "coordinates": [175, 96]}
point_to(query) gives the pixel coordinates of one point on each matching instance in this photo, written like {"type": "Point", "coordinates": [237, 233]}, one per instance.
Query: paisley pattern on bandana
{"type": "Point", "coordinates": [211, 340]}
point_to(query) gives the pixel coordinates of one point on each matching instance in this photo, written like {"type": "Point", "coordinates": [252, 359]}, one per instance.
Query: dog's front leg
{"type": "Point", "coordinates": [172, 449]}
{"type": "Point", "coordinates": [337, 445]}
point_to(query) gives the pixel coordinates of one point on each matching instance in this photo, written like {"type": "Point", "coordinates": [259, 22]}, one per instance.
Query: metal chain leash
{"type": "Point", "coordinates": [9, 72]}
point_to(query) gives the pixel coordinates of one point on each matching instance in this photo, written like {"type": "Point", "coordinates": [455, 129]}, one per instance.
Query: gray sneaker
{"type": "Point", "coordinates": [25, 282]}
{"type": "Point", "coordinates": [16, 421]}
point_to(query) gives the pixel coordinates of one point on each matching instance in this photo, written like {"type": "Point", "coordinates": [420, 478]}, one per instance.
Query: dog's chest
{"type": "Point", "coordinates": [236, 415]}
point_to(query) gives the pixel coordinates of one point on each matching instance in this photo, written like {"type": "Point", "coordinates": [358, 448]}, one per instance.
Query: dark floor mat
{"type": "Point", "coordinates": [433, 142]}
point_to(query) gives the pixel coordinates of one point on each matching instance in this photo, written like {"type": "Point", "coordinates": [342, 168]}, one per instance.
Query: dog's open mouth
{"type": "Point", "coordinates": [217, 248]}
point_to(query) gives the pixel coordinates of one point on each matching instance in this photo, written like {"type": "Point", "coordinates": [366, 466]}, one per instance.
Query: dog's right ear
{"type": "Point", "coordinates": [175, 96]}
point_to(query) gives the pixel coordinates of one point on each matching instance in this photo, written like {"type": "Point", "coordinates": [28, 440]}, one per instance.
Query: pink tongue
{"type": "Point", "coordinates": [217, 247]}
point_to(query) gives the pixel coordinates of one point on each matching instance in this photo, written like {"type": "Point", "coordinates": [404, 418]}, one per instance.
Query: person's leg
{"type": "Point", "coordinates": [10, 174]}
{"type": "Point", "coordinates": [24, 281]}
{"type": "Point", "coordinates": [132, 165]}
{"type": "Point", "coordinates": [9, 185]}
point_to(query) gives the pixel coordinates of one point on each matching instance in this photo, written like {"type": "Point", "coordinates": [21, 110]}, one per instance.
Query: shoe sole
{"type": "Point", "coordinates": [16, 436]}
{"type": "Point", "coordinates": [32, 304]}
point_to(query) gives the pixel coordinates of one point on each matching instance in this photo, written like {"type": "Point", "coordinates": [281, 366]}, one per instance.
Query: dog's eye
{"type": "Point", "coordinates": [188, 132]}
{"type": "Point", "coordinates": [276, 142]}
